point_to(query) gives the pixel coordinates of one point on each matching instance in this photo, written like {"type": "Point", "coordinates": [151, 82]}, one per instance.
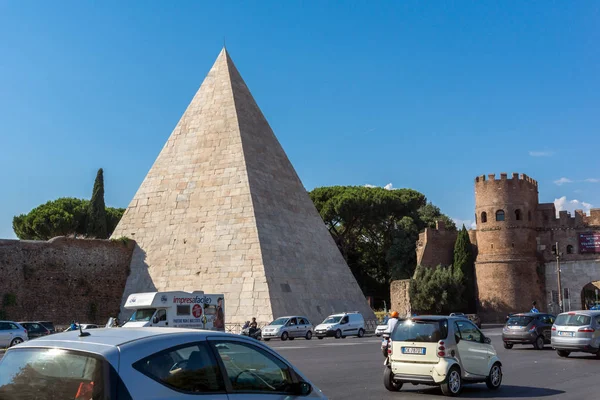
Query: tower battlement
{"type": "Point", "coordinates": [522, 178]}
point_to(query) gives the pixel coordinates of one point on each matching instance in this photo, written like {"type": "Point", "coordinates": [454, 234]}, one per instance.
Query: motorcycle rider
{"type": "Point", "coordinates": [392, 322]}
{"type": "Point", "coordinates": [253, 326]}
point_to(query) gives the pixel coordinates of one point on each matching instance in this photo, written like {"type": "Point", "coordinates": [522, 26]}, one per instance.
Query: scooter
{"type": "Point", "coordinates": [385, 344]}
{"type": "Point", "coordinates": [257, 334]}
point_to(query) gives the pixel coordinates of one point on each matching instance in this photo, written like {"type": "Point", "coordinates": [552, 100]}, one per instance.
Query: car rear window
{"type": "Point", "coordinates": [420, 330]}
{"type": "Point", "coordinates": [51, 374]}
{"type": "Point", "coordinates": [573, 320]}
{"type": "Point", "coordinates": [519, 321]}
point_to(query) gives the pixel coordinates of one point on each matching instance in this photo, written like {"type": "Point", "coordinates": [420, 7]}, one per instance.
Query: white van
{"type": "Point", "coordinates": [342, 325]}
{"type": "Point", "coordinates": [177, 310]}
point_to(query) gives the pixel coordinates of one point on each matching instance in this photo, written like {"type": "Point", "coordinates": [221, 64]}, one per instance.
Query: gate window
{"type": "Point", "coordinates": [569, 249]}
{"type": "Point", "coordinates": [483, 217]}
{"type": "Point", "coordinates": [500, 215]}
{"type": "Point", "coordinates": [518, 215]}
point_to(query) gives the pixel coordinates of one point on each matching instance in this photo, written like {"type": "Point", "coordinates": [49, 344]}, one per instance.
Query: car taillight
{"type": "Point", "coordinates": [25, 331]}
{"type": "Point", "coordinates": [586, 329]}
{"type": "Point", "coordinates": [441, 349]}
{"type": "Point", "coordinates": [390, 347]}
{"type": "Point", "coordinates": [553, 328]}
{"type": "Point", "coordinates": [532, 329]}
{"type": "Point", "coordinates": [85, 390]}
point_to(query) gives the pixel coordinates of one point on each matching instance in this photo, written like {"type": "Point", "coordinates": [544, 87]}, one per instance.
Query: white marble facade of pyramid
{"type": "Point", "coordinates": [222, 210]}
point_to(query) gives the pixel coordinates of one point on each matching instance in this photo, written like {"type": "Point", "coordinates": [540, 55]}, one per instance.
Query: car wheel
{"type": "Point", "coordinates": [292, 338]}
{"type": "Point", "coordinates": [338, 334]}
{"type": "Point", "coordinates": [508, 346]}
{"type": "Point", "coordinates": [563, 353]}
{"type": "Point", "coordinates": [285, 336]}
{"type": "Point", "coordinates": [15, 342]}
{"type": "Point", "coordinates": [266, 340]}
{"type": "Point", "coordinates": [308, 335]}
{"type": "Point", "coordinates": [494, 380]}
{"type": "Point", "coordinates": [388, 381]}
{"type": "Point", "coordinates": [361, 332]}
{"type": "Point", "coordinates": [453, 383]}
{"type": "Point", "coordinates": [539, 343]}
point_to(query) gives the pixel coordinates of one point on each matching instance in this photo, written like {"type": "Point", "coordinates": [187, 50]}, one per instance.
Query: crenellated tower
{"type": "Point", "coordinates": [507, 263]}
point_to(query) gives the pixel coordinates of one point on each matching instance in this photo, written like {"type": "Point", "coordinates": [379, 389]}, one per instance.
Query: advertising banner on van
{"type": "Point", "coordinates": [589, 243]}
{"type": "Point", "coordinates": [214, 312]}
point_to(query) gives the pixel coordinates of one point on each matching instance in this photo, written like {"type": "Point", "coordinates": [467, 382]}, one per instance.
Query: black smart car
{"type": "Point", "coordinates": [528, 328]}
{"type": "Point", "coordinates": [35, 329]}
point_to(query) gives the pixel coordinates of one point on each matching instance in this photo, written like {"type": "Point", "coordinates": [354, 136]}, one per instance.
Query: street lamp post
{"type": "Point", "coordinates": [560, 296]}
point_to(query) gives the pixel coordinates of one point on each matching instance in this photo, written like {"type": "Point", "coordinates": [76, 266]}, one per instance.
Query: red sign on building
{"type": "Point", "coordinates": [589, 242]}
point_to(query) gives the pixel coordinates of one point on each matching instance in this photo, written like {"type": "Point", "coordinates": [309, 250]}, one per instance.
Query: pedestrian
{"type": "Point", "coordinates": [534, 308]}
{"type": "Point", "coordinates": [73, 326]}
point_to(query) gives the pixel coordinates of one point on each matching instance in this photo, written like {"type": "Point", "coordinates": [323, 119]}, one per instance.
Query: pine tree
{"type": "Point", "coordinates": [465, 262]}
{"type": "Point", "coordinates": [96, 226]}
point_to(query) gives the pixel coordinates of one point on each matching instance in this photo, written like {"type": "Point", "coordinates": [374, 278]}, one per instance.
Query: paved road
{"type": "Point", "coordinates": [353, 369]}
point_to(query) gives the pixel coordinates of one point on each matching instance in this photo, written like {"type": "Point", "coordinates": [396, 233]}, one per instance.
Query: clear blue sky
{"type": "Point", "coordinates": [425, 95]}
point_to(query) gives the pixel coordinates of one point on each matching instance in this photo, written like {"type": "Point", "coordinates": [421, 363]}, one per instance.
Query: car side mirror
{"type": "Point", "coordinates": [487, 340]}
{"type": "Point", "coordinates": [303, 388]}
{"type": "Point", "coordinates": [456, 338]}
{"type": "Point", "coordinates": [155, 320]}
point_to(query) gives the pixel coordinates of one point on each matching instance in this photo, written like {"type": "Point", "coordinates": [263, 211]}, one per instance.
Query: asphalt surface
{"type": "Point", "coordinates": [352, 368]}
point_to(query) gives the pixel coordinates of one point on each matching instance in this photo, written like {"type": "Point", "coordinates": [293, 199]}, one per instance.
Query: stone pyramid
{"type": "Point", "coordinates": [222, 210]}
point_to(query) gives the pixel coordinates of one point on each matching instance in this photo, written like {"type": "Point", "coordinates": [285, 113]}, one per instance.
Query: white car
{"type": "Point", "coordinates": [444, 351]}
{"type": "Point", "coordinates": [285, 328]}
{"type": "Point", "coordinates": [150, 363]}
{"type": "Point", "coordinates": [11, 334]}
{"type": "Point", "coordinates": [341, 325]}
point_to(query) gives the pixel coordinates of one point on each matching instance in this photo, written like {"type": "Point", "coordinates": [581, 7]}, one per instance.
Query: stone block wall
{"type": "Point", "coordinates": [400, 298]}
{"type": "Point", "coordinates": [436, 246]}
{"type": "Point", "coordinates": [63, 279]}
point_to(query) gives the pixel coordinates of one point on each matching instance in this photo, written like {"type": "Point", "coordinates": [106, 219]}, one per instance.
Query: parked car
{"type": "Point", "coordinates": [438, 350]}
{"type": "Point", "coordinates": [34, 329]}
{"type": "Point", "coordinates": [528, 328]}
{"type": "Point", "coordinates": [11, 334]}
{"type": "Point", "coordinates": [83, 327]}
{"type": "Point", "coordinates": [48, 325]}
{"type": "Point", "coordinates": [577, 331]}
{"type": "Point", "coordinates": [382, 326]}
{"type": "Point", "coordinates": [341, 325]}
{"type": "Point", "coordinates": [150, 363]}
{"type": "Point", "coordinates": [285, 328]}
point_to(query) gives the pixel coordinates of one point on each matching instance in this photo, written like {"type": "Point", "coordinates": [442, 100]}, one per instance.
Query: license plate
{"type": "Point", "coordinates": [413, 350]}
{"type": "Point", "coordinates": [560, 333]}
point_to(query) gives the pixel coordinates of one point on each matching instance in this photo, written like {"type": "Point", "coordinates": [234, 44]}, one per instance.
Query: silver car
{"type": "Point", "coordinates": [11, 334]}
{"type": "Point", "coordinates": [150, 363]}
{"type": "Point", "coordinates": [576, 331]}
{"type": "Point", "coordinates": [285, 328]}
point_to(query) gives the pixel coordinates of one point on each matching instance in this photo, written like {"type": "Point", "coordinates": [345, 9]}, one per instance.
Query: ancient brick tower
{"type": "Point", "coordinates": [222, 210]}
{"type": "Point", "coordinates": [507, 266]}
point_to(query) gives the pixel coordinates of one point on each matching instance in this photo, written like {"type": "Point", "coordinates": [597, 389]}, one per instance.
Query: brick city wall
{"type": "Point", "coordinates": [63, 279]}
{"type": "Point", "coordinates": [436, 246]}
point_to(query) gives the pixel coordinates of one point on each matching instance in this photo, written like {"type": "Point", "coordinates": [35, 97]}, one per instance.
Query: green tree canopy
{"type": "Point", "coordinates": [465, 261]}
{"type": "Point", "coordinates": [61, 217]}
{"type": "Point", "coordinates": [97, 209]}
{"type": "Point", "coordinates": [437, 290]}
{"type": "Point", "coordinates": [376, 230]}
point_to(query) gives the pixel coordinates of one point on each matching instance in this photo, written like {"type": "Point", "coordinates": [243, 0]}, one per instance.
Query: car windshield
{"type": "Point", "coordinates": [573, 320]}
{"type": "Point", "coordinates": [519, 321]}
{"type": "Point", "coordinates": [50, 374]}
{"type": "Point", "coordinates": [333, 320]}
{"type": "Point", "coordinates": [279, 321]}
{"type": "Point", "coordinates": [143, 314]}
{"type": "Point", "coordinates": [420, 330]}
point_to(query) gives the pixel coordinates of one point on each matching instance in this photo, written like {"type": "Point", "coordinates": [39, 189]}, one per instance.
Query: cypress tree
{"type": "Point", "coordinates": [464, 260]}
{"type": "Point", "coordinates": [96, 226]}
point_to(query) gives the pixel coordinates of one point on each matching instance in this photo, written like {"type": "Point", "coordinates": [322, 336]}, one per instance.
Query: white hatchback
{"type": "Point", "coordinates": [439, 350]}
